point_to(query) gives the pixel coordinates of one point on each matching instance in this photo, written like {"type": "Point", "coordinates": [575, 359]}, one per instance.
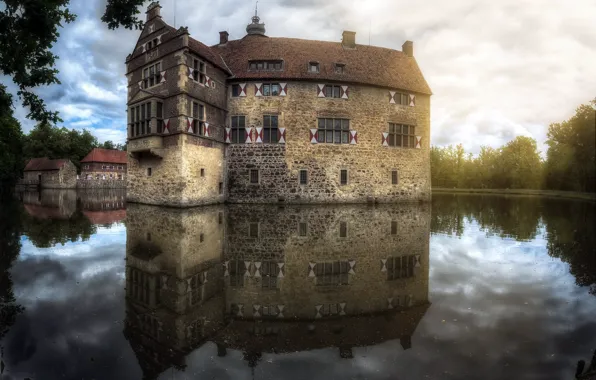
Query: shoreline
{"type": "Point", "coordinates": [542, 193]}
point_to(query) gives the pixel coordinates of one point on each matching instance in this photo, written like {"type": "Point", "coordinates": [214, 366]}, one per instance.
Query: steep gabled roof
{"type": "Point", "coordinates": [44, 163]}
{"type": "Point", "coordinates": [106, 155]}
{"type": "Point", "coordinates": [363, 64]}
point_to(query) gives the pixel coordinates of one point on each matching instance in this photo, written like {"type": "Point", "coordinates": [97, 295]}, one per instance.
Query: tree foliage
{"type": "Point", "coordinates": [29, 29]}
{"type": "Point", "coordinates": [571, 162]}
{"type": "Point", "coordinates": [516, 165]}
{"type": "Point", "coordinates": [11, 137]}
{"type": "Point", "coordinates": [52, 142]}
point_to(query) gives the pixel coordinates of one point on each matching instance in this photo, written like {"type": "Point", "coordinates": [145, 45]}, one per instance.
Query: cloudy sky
{"type": "Point", "coordinates": [497, 69]}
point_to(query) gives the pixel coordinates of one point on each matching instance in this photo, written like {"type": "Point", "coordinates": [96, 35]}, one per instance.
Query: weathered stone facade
{"type": "Point", "coordinates": [83, 183]}
{"type": "Point", "coordinates": [64, 177]}
{"type": "Point", "coordinates": [262, 277]}
{"type": "Point", "coordinates": [103, 171]}
{"type": "Point", "coordinates": [176, 161]}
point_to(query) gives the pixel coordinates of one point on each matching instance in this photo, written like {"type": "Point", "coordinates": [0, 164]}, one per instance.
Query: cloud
{"type": "Point", "coordinates": [497, 69]}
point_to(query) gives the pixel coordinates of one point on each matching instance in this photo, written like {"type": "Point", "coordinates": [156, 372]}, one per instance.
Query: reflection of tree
{"type": "Point", "coordinates": [515, 217]}
{"type": "Point", "coordinates": [571, 238]}
{"type": "Point", "coordinates": [569, 225]}
{"type": "Point", "coordinates": [45, 233]}
{"type": "Point", "coordinates": [10, 246]}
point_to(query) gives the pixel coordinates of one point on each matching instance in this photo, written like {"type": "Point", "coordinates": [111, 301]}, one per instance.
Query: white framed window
{"type": "Point", "coordinates": [198, 118]}
{"type": "Point", "coordinates": [152, 75]}
{"type": "Point", "coordinates": [199, 71]}
{"type": "Point", "coordinates": [313, 67]}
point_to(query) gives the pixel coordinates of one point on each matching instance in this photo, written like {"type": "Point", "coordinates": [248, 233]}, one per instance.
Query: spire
{"type": "Point", "coordinates": [256, 27]}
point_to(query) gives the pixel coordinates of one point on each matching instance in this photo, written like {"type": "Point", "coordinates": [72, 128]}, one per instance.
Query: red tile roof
{"type": "Point", "coordinates": [106, 155]}
{"type": "Point", "coordinates": [44, 163]}
{"type": "Point", "coordinates": [363, 64]}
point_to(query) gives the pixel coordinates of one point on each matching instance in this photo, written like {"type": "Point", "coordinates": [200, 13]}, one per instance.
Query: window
{"type": "Point", "coordinates": [332, 91]}
{"type": "Point", "coordinates": [254, 176]}
{"type": "Point", "coordinates": [270, 129]}
{"type": "Point", "coordinates": [148, 172]}
{"type": "Point", "coordinates": [332, 273]}
{"type": "Point", "coordinates": [202, 172]}
{"type": "Point", "coordinates": [272, 65]}
{"type": "Point", "coordinates": [271, 89]}
{"type": "Point", "coordinates": [303, 176]}
{"type": "Point", "coordinates": [402, 135]}
{"type": "Point", "coordinates": [269, 273]}
{"type": "Point", "coordinates": [199, 71]}
{"type": "Point", "coordinates": [400, 267]}
{"type": "Point", "coordinates": [220, 191]}
{"type": "Point", "coordinates": [140, 120]}
{"type": "Point", "coordinates": [198, 118]}
{"type": "Point", "coordinates": [403, 99]}
{"type": "Point", "coordinates": [335, 131]}
{"type": "Point", "coordinates": [340, 68]}
{"type": "Point", "coordinates": [302, 229]}
{"type": "Point", "coordinates": [159, 115]}
{"type": "Point", "coordinates": [152, 75]}
{"type": "Point", "coordinates": [237, 270]}
{"type": "Point", "coordinates": [103, 166]}
{"type": "Point", "coordinates": [238, 131]}
{"type": "Point", "coordinates": [236, 90]}
{"type": "Point", "coordinates": [151, 44]}
{"type": "Point", "coordinates": [393, 227]}
{"type": "Point", "coordinates": [201, 237]}
{"type": "Point", "coordinates": [148, 236]}
{"type": "Point", "coordinates": [394, 177]}
{"type": "Point", "coordinates": [343, 177]}
{"type": "Point", "coordinates": [220, 216]}
{"type": "Point", "coordinates": [313, 67]}
{"type": "Point", "coordinates": [343, 229]}
{"type": "Point", "coordinates": [253, 230]}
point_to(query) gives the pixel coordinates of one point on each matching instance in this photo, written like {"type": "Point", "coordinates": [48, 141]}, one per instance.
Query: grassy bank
{"type": "Point", "coordinates": [543, 193]}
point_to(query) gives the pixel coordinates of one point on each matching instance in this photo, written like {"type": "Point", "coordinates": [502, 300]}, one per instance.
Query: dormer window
{"type": "Point", "coordinates": [199, 71]}
{"type": "Point", "coordinates": [151, 44]}
{"type": "Point", "coordinates": [273, 65]}
{"type": "Point", "coordinates": [340, 68]}
{"type": "Point", "coordinates": [313, 67]}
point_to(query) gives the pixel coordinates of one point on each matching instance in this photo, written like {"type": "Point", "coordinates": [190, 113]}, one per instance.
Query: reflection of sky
{"type": "Point", "coordinates": [500, 309]}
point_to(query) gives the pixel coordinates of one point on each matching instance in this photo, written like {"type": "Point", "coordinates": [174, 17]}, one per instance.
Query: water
{"type": "Point", "coordinates": [466, 287]}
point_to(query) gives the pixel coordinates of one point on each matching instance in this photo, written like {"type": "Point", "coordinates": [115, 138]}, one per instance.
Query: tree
{"type": "Point", "coordinates": [521, 167]}
{"type": "Point", "coordinates": [29, 29]}
{"type": "Point", "coordinates": [571, 155]}
{"type": "Point", "coordinates": [11, 140]}
{"type": "Point", "coordinates": [47, 141]}
{"type": "Point", "coordinates": [108, 145]}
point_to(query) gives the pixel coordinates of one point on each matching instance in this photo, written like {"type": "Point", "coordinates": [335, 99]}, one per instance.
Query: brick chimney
{"type": "Point", "coordinates": [408, 48]}
{"type": "Point", "coordinates": [223, 37]}
{"type": "Point", "coordinates": [348, 39]}
{"type": "Point", "coordinates": [153, 10]}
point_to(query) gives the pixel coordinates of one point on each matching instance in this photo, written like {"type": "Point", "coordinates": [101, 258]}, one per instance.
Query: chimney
{"type": "Point", "coordinates": [223, 37]}
{"type": "Point", "coordinates": [408, 48]}
{"type": "Point", "coordinates": [348, 39]}
{"type": "Point", "coordinates": [153, 10]}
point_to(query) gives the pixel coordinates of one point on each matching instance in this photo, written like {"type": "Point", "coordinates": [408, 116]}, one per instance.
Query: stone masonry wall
{"type": "Point", "coordinates": [65, 178]}
{"type": "Point", "coordinates": [101, 184]}
{"type": "Point", "coordinates": [176, 178]}
{"type": "Point", "coordinates": [369, 164]}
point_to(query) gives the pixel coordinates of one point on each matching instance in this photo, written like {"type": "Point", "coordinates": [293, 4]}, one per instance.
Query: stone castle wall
{"type": "Point", "coordinates": [175, 160]}
{"type": "Point", "coordinates": [369, 164]}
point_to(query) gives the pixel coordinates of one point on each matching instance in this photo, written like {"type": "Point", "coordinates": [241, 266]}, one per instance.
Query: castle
{"type": "Point", "coordinates": [263, 119]}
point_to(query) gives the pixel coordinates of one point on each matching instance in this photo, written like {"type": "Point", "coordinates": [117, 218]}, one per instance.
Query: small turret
{"type": "Point", "coordinates": [256, 27]}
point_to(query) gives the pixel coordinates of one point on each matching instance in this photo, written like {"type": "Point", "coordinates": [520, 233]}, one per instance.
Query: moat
{"type": "Point", "coordinates": [463, 287]}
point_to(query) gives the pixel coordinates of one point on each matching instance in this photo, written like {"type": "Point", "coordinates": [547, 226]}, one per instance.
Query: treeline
{"type": "Point", "coordinates": [45, 140]}
{"type": "Point", "coordinates": [570, 162]}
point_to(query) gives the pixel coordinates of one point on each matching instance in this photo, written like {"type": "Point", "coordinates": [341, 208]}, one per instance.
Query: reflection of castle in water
{"type": "Point", "coordinates": [268, 279]}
